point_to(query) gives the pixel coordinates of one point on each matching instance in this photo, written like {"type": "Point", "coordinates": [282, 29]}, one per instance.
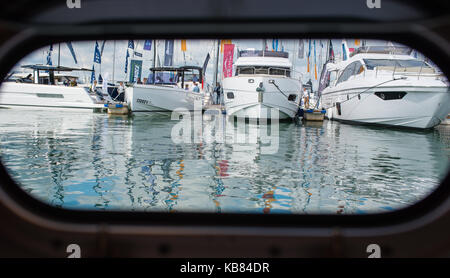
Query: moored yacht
{"type": "Point", "coordinates": [262, 84]}
{"type": "Point", "coordinates": [168, 89]}
{"type": "Point", "coordinates": [48, 90]}
{"type": "Point", "coordinates": [385, 85]}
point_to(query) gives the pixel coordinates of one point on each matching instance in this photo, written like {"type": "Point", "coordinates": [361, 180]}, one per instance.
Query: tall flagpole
{"type": "Point", "coordinates": [114, 61]}
{"type": "Point", "coordinates": [216, 64]}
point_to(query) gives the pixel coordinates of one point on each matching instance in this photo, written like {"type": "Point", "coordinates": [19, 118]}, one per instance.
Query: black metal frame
{"type": "Point", "coordinates": [31, 39]}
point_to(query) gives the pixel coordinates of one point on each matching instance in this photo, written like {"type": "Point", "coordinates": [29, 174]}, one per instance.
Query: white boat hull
{"type": "Point", "coordinates": [247, 102]}
{"type": "Point", "coordinates": [46, 96]}
{"type": "Point", "coordinates": [421, 107]}
{"type": "Point", "coordinates": [155, 98]}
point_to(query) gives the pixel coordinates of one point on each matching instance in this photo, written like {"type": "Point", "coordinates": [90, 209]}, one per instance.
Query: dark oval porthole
{"type": "Point", "coordinates": [230, 95]}
{"type": "Point", "coordinates": [251, 81]}
{"type": "Point", "coordinates": [292, 97]}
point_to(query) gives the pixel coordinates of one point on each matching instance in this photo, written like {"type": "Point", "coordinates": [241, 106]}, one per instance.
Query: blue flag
{"type": "Point", "coordinates": [93, 75]}
{"type": "Point", "coordinates": [309, 52]}
{"type": "Point", "coordinates": [103, 46]}
{"type": "Point", "coordinates": [69, 45]}
{"type": "Point", "coordinates": [100, 79]}
{"type": "Point", "coordinates": [168, 53]}
{"type": "Point", "coordinates": [147, 45]}
{"type": "Point", "coordinates": [97, 55]}
{"type": "Point", "coordinates": [131, 44]}
{"type": "Point", "coordinates": [275, 45]}
{"type": "Point", "coordinates": [126, 62]}
{"type": "Point", "coordinates": [49, 58]}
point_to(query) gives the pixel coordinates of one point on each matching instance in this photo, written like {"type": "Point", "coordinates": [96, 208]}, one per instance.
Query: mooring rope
{"type": "Point", "coordinates": [359, 94]}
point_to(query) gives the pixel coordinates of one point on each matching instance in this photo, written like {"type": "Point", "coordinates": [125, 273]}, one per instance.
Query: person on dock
{"type": "Point", "coordinates": [305, 98]}
{"type": "Point", "coordinates": [186, 87]}
{"type": "Point", "coordinates": [217, 93]}
{"type": "Point", "coordinates": [120, 91]}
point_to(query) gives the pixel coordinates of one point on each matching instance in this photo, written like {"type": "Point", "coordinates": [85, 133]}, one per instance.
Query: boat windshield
{"type": "Point", "coordinates": [373, 63]}
{"type": "Point", "coordinates": [263, 70]}
{"type": "Point", "coordinates": [163, 78]}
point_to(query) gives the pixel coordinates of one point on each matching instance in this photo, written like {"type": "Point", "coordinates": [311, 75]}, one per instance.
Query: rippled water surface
{"type": "Point", "coordinates": [83, 160]}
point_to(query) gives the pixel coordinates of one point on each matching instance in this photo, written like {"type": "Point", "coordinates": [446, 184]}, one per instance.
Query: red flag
{"type": "Point", "coordinates": [228, 60]}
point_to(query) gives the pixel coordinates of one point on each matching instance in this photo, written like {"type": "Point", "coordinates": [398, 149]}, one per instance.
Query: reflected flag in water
{"type": "Point", "coordinates": [97, 55]}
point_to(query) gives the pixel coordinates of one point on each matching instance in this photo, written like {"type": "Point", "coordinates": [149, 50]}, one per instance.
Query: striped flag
{"type": "Point", "coordinates": [183, 45]}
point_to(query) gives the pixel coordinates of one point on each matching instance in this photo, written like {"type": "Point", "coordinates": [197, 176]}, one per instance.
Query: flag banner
{"type": "Point", "coordinates": [135, 70]}
{"type": "Point", "coordinates": [315, 61]}
{"type": "Point", "coordinates": [301, 49]}
{"type": "Point", "coordinates": [205, 64]}
{"type": "Point", "coordinates": [168, 57]}
{"type": "Point", "coordinates": [345, 50]}
{"type": "Point", "coordinates": [331, 53]}
{"type": "Point", "coordinates": [183, 45]}
{"type": "Point", "coordinates": [100, 78]}
{"type": "Point", "coordinates": [131, 44]}
{"type": "Point", "coordinates": [97, 55]}
{"type": "Point", "coordinates": [357, 42]}
{"type": "Point", "coordinates": [137, 54]}
{"type": "Point", "coordinates": [49, 58]}
{"type": "Point", "coordinates": [324, 80]}
{"type": "Point", "coordinates": [274, 45]}
{"type": "Point", "coordinates": [126, 61]}
{"type": "Point", "coordinates": [51, 47]}
{"type": "Point", "coordinates": [307, 64]}
{"type": "Point", "coordinates": [147, 45]}
{"type": "Point", "coordinates": [103, 47]}
{"type": "Point", "coordinates": [309, 54]}
{"type": "Point", "coordinates": [92, 75]}
{"type": "Point", "coordinates": [222, 43]}
{"type": "Point", "coordinates": [315, 71]}
{"type": "Point", "coordinates": [69, 45]}
{"type": "Point", "coordinates": [228, 51]}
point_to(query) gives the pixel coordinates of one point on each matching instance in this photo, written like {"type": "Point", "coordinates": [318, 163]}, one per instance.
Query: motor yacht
{"type": "Point", "coordinates": [261, 85]}
{"type": "Point", "coordinates": [386, 85]}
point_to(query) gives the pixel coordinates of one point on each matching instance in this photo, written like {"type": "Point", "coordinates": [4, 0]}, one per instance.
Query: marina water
{"type": "Point", "coordinates": [83, 160]}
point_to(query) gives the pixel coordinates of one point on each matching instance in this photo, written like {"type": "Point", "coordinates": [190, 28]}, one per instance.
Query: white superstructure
{"type": "Point", "coordinates": [47, 91]}
{"type": "Point", "coordinates": [262, 83]}
{"type": "Point", "coordinates": [168, 89]}
{"type": "Point", "coordinates": [385, 85]}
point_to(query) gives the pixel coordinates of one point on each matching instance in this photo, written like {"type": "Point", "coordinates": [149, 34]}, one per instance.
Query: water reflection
{"type": "Point", "coordinates": [81, 160]}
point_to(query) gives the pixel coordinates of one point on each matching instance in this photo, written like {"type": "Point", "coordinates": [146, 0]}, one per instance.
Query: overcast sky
{"type": "Point", "coordinates": [196, 53]}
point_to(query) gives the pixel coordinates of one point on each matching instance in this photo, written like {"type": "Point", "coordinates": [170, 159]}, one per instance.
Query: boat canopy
{"type": "Point", "coordinates": [178, 69]}
{"type": "Point", "coordinates": [383, 49]}
{"type": "Point", "coordinates": [261, 53]}
{"type": "Point", "coordinates": [53, 68]}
